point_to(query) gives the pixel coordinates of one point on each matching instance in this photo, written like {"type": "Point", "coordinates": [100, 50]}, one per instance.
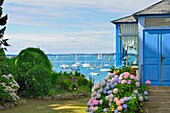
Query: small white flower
{"type": "Point", "coordinates": [115, 90]}
{"type": "Point", "coordinates": [141, 98]}
{"type": "Point", "coordinates": [137, 84]}
{"type": "Point", "coordinates": [101, 101]}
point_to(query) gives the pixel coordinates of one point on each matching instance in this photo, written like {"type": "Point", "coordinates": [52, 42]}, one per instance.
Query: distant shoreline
{"type": "Point", "coordinates": [76, 54]}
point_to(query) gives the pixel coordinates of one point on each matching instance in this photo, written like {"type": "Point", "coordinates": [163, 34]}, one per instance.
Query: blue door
{"type": "Point", "coordinates": [165, 58]}
{"type": "Point", "coordinates": [156, 57]}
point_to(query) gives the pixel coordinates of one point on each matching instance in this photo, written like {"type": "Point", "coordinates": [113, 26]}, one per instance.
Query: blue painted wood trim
{"type": "Point", "coordinates": [117, 45]}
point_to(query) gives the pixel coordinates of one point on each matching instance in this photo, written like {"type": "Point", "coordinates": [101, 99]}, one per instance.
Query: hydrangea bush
{"type": "Point", "coordinates": [118, 94]}
{"type": "Point", "coordinates": [8, 88]}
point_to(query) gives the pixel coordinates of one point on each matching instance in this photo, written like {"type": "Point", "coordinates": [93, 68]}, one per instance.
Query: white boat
{"type": "Point", "coordinates": [77, 64]}
{"type": "Point", "coordinates": [99, 57]}
{"type": "Point", "coordinates": [64, 66]}
{"type": "Point", "coordinates": [106, 65]}
{"type": "Point", "coordinates": [94, 74]}
{"type": "Point", "coordinates": [56, 58]}
{"type": "Point", "coordinates": [86, 65]}
{"type": "Point", "coordinates": [105, 69]}
{"type": "Point", "coordinates": [74, 65]}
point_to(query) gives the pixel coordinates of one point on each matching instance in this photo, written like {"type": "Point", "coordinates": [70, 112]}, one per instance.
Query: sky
{"type": "Point", "coordinates": [66, 26]}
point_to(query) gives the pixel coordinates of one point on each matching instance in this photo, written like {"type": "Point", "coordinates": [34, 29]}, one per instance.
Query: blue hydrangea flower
{"type": "Point", "coordinates": [126, 99]}
{"type": "Point", "coordinates": [125, 106]}
{"type": "Point", "coordinates": [109, 92]}
{"type": "Point", "coordinates": [145, 92]}
{"type": "Point", "coordinates": [112, 85]}
{"type": "Point", "coordinates": [116, 111]}
{"type": "Point", "coordinates": [105, 110]}
{"type": "Point", "coordinates": [136, 91]}
{"type": "Point", "coordinates": [104, 91]}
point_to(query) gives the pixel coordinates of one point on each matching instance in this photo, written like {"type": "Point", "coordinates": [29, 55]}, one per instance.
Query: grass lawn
{"type": "Point", "coordinates": [42, 106]}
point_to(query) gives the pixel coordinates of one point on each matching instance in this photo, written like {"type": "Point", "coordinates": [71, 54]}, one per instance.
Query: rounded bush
{"type": "Point", "coordinates": [27, 60]}
{"type": "Point", "coordinates": [31, 57]}
{"type": "Point", "coordinates": [38, 82]}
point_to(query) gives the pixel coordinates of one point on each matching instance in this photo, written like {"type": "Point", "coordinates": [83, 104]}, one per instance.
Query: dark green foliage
{"type": "Point", "coordinates": [28, 60]}
{"type": "Point", "coordinates": [2, 61]}
{"type": "Point", "coordinates": [38, 82]}
{"type": "Point", "coordinates": [10, 66]}
{"type": "Point", "coordinates": [77, 73]}
{"type": "Point", "coordinates": [1, 2]}
{"type": "Point", "coordinates": [73, 82]}
{"type": "Point", "coordinates": [64, 84]}
{"type": "Point", "coordinates": [121, 70]}
{"type": "Point", "coordinates": [82, 81]}
{"type": "Point", "coordinates": [54, 79]}
{"type": "Point", "coordinates": [30, 57]}
{"type": "Point", "coordinates": [3, 21]}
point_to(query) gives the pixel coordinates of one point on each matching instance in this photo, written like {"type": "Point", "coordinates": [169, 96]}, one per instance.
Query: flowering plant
{"type": "Point", "coordinates": [118, 94]}
{"type": "Point", "coordinates": [8, 88]}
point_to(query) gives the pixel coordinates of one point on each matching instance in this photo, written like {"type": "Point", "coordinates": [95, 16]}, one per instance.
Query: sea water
{"type": "Point", "coordinates": [99, 61]}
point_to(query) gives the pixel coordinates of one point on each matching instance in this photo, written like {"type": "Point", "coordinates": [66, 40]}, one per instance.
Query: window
{"type": "Point", "coordinates": [151, 22]}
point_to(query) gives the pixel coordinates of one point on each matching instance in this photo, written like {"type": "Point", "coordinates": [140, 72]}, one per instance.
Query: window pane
{"type": "Point", "coordinates": [149, 22]}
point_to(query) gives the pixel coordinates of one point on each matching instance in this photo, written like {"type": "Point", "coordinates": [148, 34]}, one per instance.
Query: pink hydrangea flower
{"type": "Point", "coordinates": [148, 82]}
{"type": "Point", "coordinates": [126, 74]}
{"type": "Point", "coordinates": [123, 82]}
{"type": "Point", "coordinates": [116, 99]}
{"type": "Point", "coordinates": [129, 81]}
{"type": "Point", "coordinates": [132, 76]}
{"type": "Point", "coordinates": [95, 102]}
{"type": "Point", "coordinates": [118, 103]}
{"type": "Point", "coordinates": [122, 101]}
{"type": "Point", "coordinates": [119, 108]}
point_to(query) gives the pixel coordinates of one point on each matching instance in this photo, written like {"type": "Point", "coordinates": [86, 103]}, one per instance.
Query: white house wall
{"type": "Point", "coordinates": [141, 23]}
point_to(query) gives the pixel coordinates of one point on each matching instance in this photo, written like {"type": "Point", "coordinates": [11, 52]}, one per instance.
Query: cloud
{"type": "Point", "coordinates": [55, 12]}
{"type": "Point", "coordinates": [75, 42]}
{"type": "Point", "coordinates": [66, 26]}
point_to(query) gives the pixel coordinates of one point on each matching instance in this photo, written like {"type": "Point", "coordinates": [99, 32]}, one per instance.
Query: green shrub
{"type": "Point", "coordinates": [72, 87]}
{"type": "Point", "coordinates": [77, 73]}
{"type": "Point", "coordinates": [38, 82]}
{"type": "Point", "coordinates": [82, 81]}
{"type": "Point", "coordinates": [2, 61]}
{"type": "Point", "coordinates": [52, 92]}
{"type": "Point", "coordinates": [31, 57]}
{"type": "Point", "coordinates": [54, 79]}
{"type": "Point", "coordinates": [64, 84]}
{"type": "Point", "coordinates": [24, 64]}
{"type": "Point", "coordinates": [10, 66]}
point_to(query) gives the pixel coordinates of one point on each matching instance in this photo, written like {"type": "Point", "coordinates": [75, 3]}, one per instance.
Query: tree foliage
{"type": "Point", "coordinates": [3, 21]}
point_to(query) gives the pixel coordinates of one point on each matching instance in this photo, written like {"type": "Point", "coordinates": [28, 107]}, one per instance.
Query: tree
{"type": "Point", "coordinates": [3, 21]}
{"type": "Point", "coordinates": [3, 41]}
